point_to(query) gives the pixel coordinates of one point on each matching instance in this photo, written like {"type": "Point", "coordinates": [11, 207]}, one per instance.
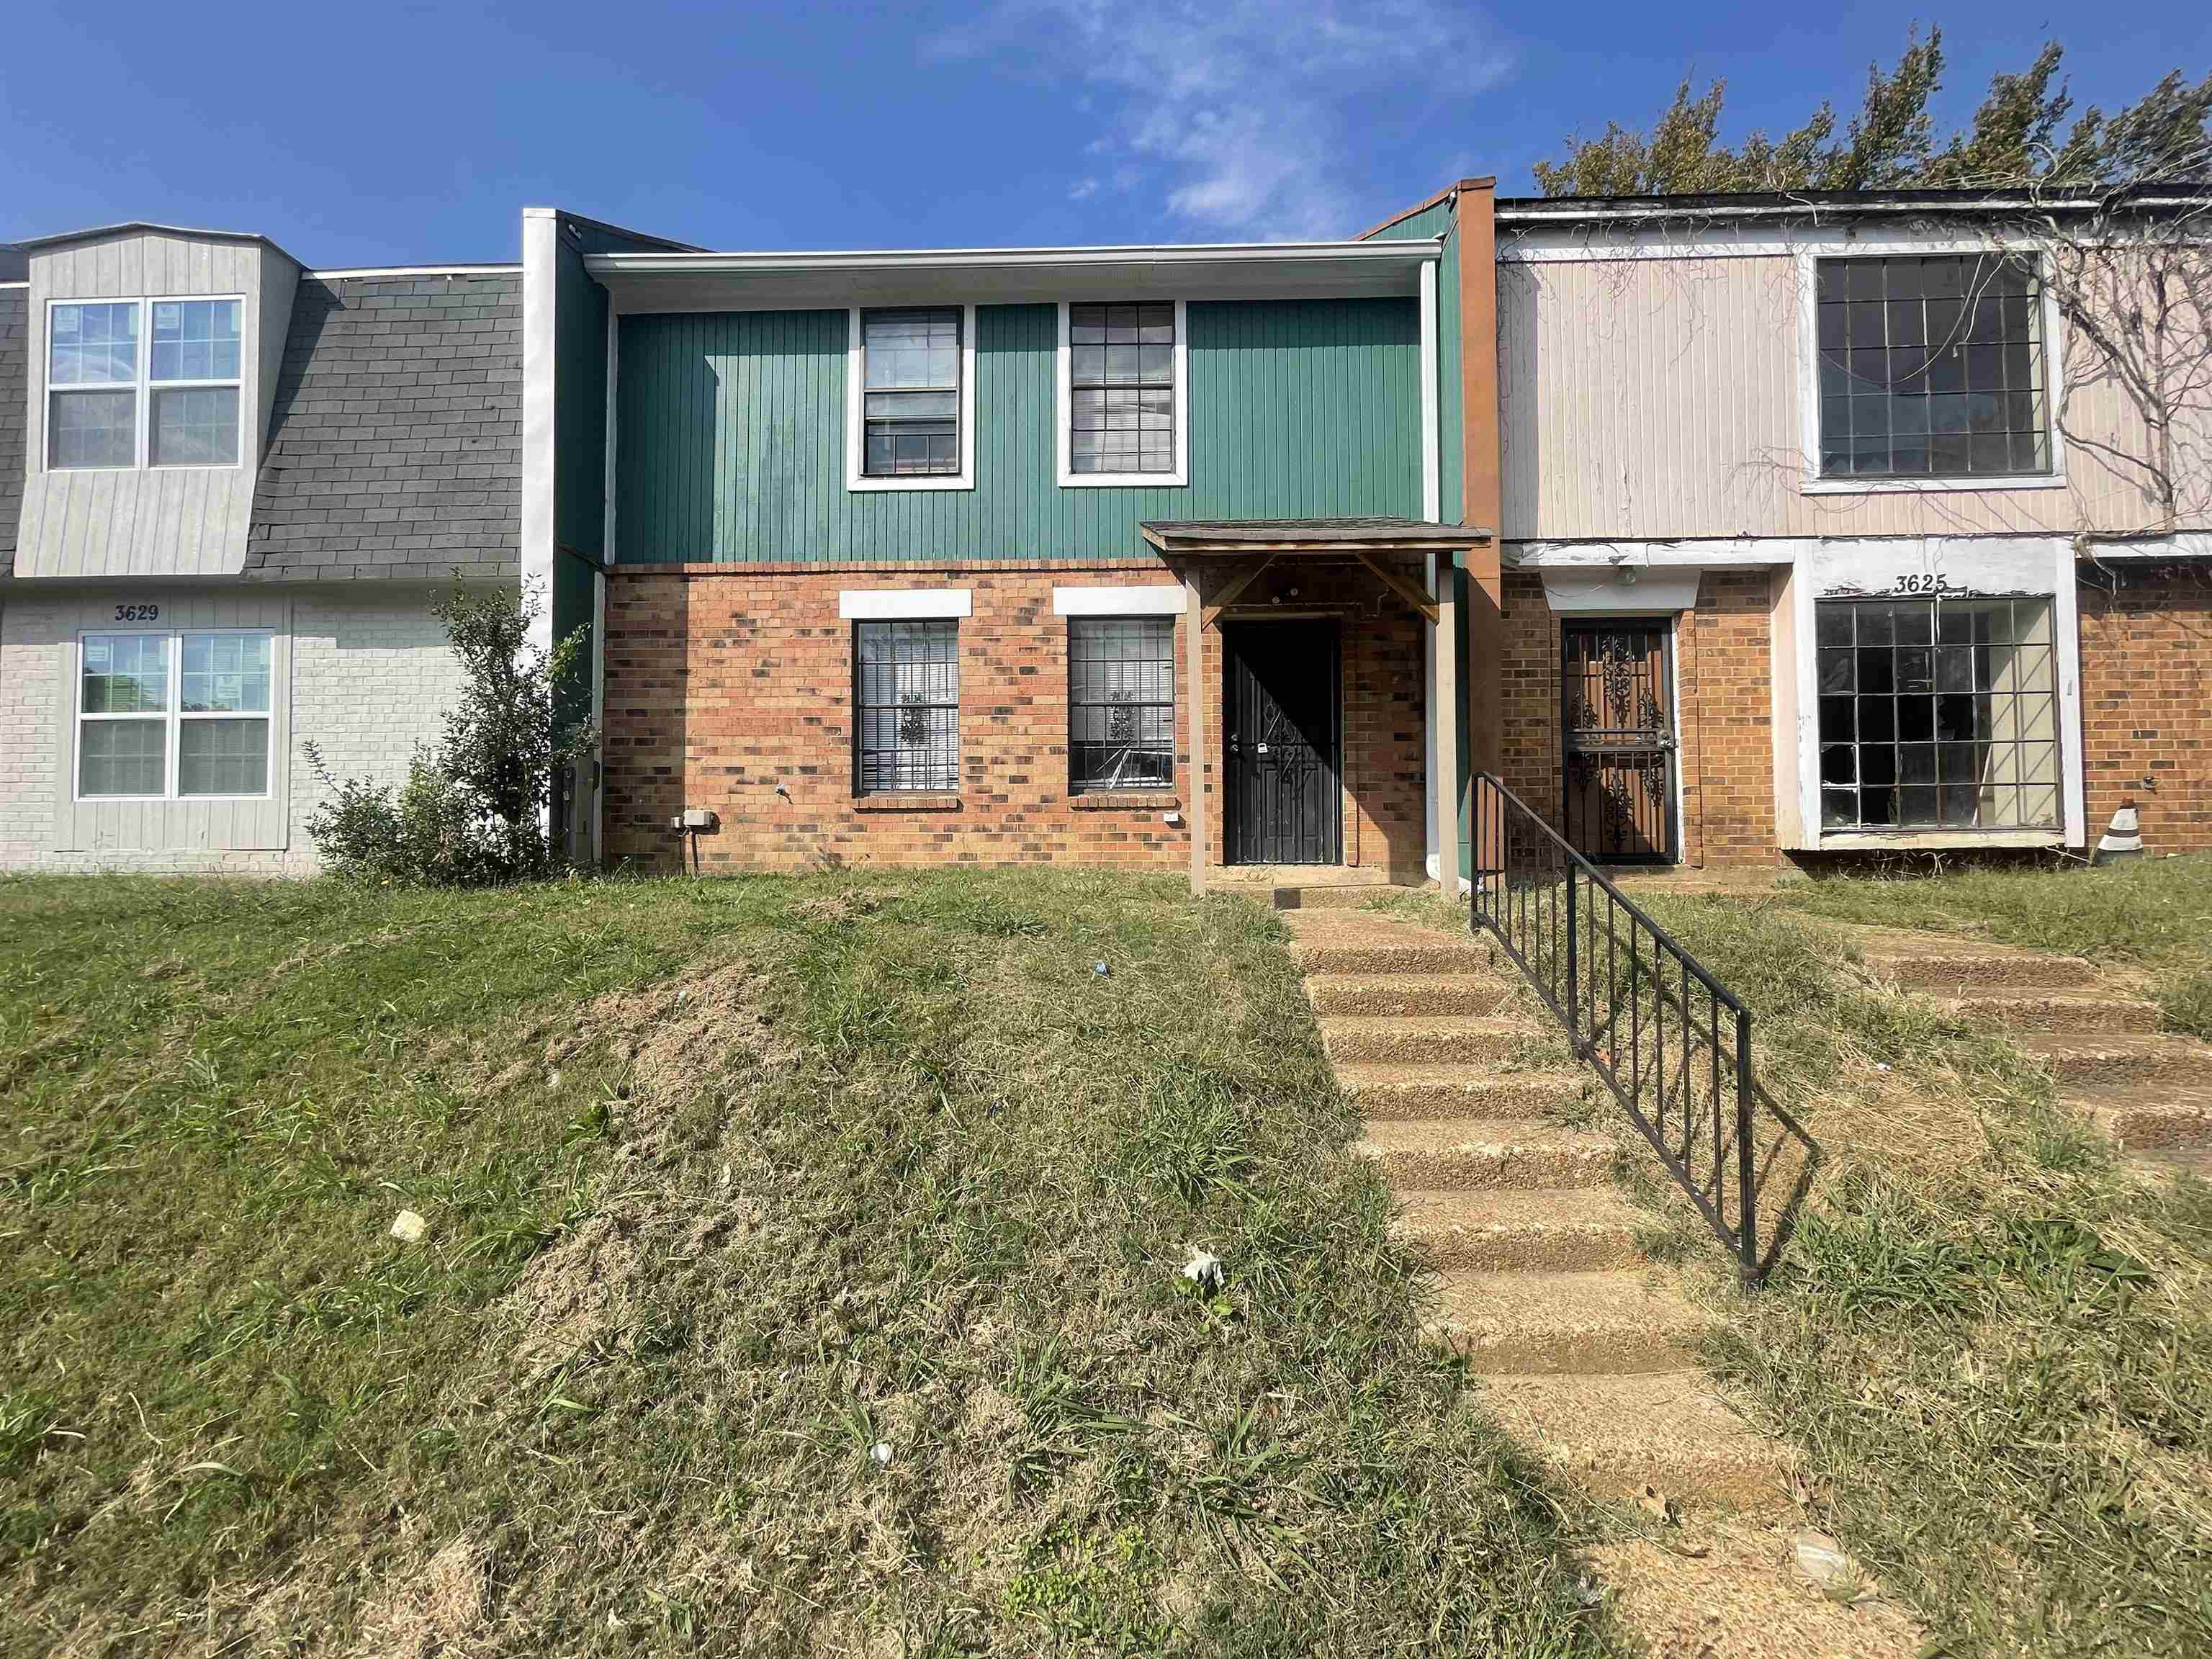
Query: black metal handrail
{"type": "Point", "coordinates": [1671, 1041]}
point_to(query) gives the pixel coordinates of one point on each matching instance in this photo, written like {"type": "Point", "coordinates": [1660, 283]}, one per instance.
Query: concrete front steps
{"type": "Point", "coordinates": [1584, 1348]}
{"type": "Point", "coordinates": [1587, 1350]}
{"type": "Point", "coordinates": [2149, 1091]}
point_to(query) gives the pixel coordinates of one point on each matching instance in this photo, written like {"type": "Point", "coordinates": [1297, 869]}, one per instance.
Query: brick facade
{"type": "Point", "coordinates": [1723, 676]}
{"type": "Point", "coordinates": [723, 682]}
{"type": "Point", "coordinates": [2147, 700]}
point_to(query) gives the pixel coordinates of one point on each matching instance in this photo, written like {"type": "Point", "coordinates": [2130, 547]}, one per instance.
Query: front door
{"type": "Point", "coordinates": [1617, 740]}
{"type": "Point", "coordinates": [1280, 735]}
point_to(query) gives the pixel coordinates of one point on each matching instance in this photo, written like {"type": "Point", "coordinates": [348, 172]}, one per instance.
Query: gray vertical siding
{"type": "Point", "coordinates": [148, 522]}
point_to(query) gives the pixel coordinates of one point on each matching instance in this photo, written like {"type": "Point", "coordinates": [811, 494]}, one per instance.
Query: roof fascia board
{"type": "Point", "coordinates": [751, 282]}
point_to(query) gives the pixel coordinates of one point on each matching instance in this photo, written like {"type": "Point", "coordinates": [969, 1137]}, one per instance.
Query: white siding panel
{"type": "Point", "coordinates": [1657, 398]}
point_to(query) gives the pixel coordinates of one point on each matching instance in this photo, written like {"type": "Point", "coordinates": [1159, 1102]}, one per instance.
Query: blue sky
{"type": "Point", "coordinates": [407, 133]}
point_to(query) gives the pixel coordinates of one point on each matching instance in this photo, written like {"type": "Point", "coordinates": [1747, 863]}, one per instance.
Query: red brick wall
{"type": "Point", "coordinates": [1722, 667]}
{"type": "Point", "coordinates": [2147, 702]}
{"type": "Point", "coordinates": [722, 682]}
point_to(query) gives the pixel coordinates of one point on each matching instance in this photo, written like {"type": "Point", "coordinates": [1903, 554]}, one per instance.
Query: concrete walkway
{"type": "Point", "coordinates": [1584, 1347]}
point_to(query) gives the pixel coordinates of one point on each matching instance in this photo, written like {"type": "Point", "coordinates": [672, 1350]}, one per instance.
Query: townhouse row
{"type": "Point", "coordinates": [1724, 532]}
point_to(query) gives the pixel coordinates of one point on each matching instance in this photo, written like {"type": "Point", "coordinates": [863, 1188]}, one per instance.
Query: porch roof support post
{"type": "Point", "coordinates": [1194, 696]}
{"type": "Point", "coordinates": [1446, 757]}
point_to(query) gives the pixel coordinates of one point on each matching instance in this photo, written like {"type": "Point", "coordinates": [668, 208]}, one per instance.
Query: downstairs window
{"type": "Point", "coordinates": [907, 695]}
{"type": "Point", "coordinates": [1937, 714]}
{"type": "Point", "coordinates": [1120, 702]}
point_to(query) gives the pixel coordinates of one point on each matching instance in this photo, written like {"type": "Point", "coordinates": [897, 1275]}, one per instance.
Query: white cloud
{"type": "Point", "coordinates": [1244, 113]}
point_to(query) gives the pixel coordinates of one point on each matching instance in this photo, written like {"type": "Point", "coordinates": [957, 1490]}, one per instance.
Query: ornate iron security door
{"type": "Point", "coordinates": [1617, 741]}
{"type": "Point", "coordinates": [1280, 737]}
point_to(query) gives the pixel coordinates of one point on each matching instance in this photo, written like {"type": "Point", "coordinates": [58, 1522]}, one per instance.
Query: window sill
{"type": "Point", "coordinates": [1917, 841]}
{"type": "Point", "coordinates": [862, 484]}
{"type": "Point", "coordinates": [1929, 486]}
{"type": "Point", "coordinates": [906, 800]}
{"type": "Point", "coordinates": [1124, 800]}
{"type": "Point", "coordinates": [1125, 481]}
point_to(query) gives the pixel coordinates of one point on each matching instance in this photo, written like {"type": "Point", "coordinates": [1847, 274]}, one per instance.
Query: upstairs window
{"type": "Point", "coordinates": [1123, 410]}
{"type": "Point", "coordinates": [92, 385]}
{"type": "Point", "coordinates": [1937, 715]}
{"type": "Point", "coordinates": [1932, 367]}
{"type": "Point", "coordinates": [1120, 702]}
{"type": "Point", "coordinates": [195, 379]}
{"type": "Point", "coordinates": [911, 361]}
{"type": "Point", "coordinates": [111, 401]}
{"type": "Point", "coordinates": [907, 696]}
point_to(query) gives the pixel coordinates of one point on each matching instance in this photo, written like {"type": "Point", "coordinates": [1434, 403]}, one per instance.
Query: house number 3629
{"type": "Point", "coordinates": [1918, 584]}
{"type": "Point", "coordinates": [137, 613]}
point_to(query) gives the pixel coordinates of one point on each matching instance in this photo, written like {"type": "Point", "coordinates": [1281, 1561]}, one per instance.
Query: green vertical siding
{"type": "Point", "coordinates": [1429, 223]}
{"type": "Point", "coordinates": [731, 435]}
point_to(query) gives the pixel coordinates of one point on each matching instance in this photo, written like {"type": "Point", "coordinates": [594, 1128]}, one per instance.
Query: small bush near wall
{"type": "Point", "coordinates": [473, 810]}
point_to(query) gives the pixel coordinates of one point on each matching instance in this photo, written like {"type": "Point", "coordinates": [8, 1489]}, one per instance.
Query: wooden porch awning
{"type": "Point", "coordinates": [1262, 540]}
{"type": "Point", "coordinates": [1372, 542]}
{"type": "Point", "coordinates": [1317, 538]}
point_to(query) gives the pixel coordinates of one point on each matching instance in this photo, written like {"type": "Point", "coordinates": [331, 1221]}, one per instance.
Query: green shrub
{"type": "Point", "coordinates": [473, 810]}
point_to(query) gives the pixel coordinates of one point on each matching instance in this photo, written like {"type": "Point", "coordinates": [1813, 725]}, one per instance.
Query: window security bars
{"type": "Point", "coordinates": [1120, 702]}
{"type": "Point", "coordinates": [1670, 1041]}
{"type": "Point", "coordinates": [1937, 713]}
{"type": "Point", "coordinates": [1931, 368]}
{"type": "Point", "coordinates": [1121, 388]}
{"type": "Point", "coordinates": [906, 697]}
{"type": "Point", "coordinates": [911, 376]}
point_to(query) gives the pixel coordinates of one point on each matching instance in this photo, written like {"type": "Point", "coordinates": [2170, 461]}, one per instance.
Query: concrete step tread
{"type": "Point", "coordinates": [1421, 1025]}
{"type": "Point", "coordinates": [2149, 1116]}
{"type": "Point", "coordinates": [1616, 1432]}
{"type": "Point", "coordinates": [1948, 962]}
{"type": "Point", "coordinates": [1337, 920]}
{"type": "Point", "coordinates": [1476, 992]}
{"type": "Point", "coordinates": [1429, 1210]}
{"type": "Point", "coordinates": [1582, 1323]}
{"type": "Point", "coordinates": [2079, 1012]}
{"type": "Point", "coordinates": [1403, 1134]}
{"type": "Point", "coordinates": [1476, 1079]}
{"type": "Point", "coordinates": [1411, 951]}
{"type": "Point", "coordinates": [2160, 1044]}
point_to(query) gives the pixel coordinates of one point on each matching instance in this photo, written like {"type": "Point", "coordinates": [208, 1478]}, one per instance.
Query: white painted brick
{"type": "Point", "coordinates": [372, 678]}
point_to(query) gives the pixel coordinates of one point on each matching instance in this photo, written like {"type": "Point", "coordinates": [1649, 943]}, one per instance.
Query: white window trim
{"type": "Point", "coordinates": [173, 718]}
{"type": "Point", "coordinates": [1149, 601]}
{"type": "Point", "coordinates": [2036, 566]}
{"type": "Point", "coordinates": [1064, 415]}
{"type": "Point", "coordinates": [1808, 377]}
{"type": "Point", "coordinates": [903, 603]}
{"type": "Point", "coordinates": [142, 433]}
{"type": "Point", "coordinates": [856, 413]}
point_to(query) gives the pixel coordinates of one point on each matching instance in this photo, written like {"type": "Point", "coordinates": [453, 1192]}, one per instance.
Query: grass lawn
{"type": "Point", "coordinates": [803, 1272]}
{"type": "Point", "coordinates": [1992, 1342]}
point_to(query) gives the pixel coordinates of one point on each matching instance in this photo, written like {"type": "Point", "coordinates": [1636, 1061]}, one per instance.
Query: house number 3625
{"type": "Point", "coordinates": [1930, 584]}
{"type": "Point", "coordinates": [137, 613]}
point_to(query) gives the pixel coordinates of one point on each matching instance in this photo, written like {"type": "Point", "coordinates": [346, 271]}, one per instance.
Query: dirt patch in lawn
{"type": "Point", "coordinates": [680, 1043]}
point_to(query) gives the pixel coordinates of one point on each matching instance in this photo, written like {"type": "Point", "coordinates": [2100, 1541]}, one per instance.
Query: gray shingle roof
{"type": "Point", "coordinates": [395, 441]}
{"type": "Point", "coordinates": [14, 414]}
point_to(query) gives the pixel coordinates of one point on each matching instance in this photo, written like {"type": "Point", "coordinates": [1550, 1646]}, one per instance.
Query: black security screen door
{"type": "Point", "coordinates": [1617, 741]}
{"type": "Point", "coordinates": [1280, 741]}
